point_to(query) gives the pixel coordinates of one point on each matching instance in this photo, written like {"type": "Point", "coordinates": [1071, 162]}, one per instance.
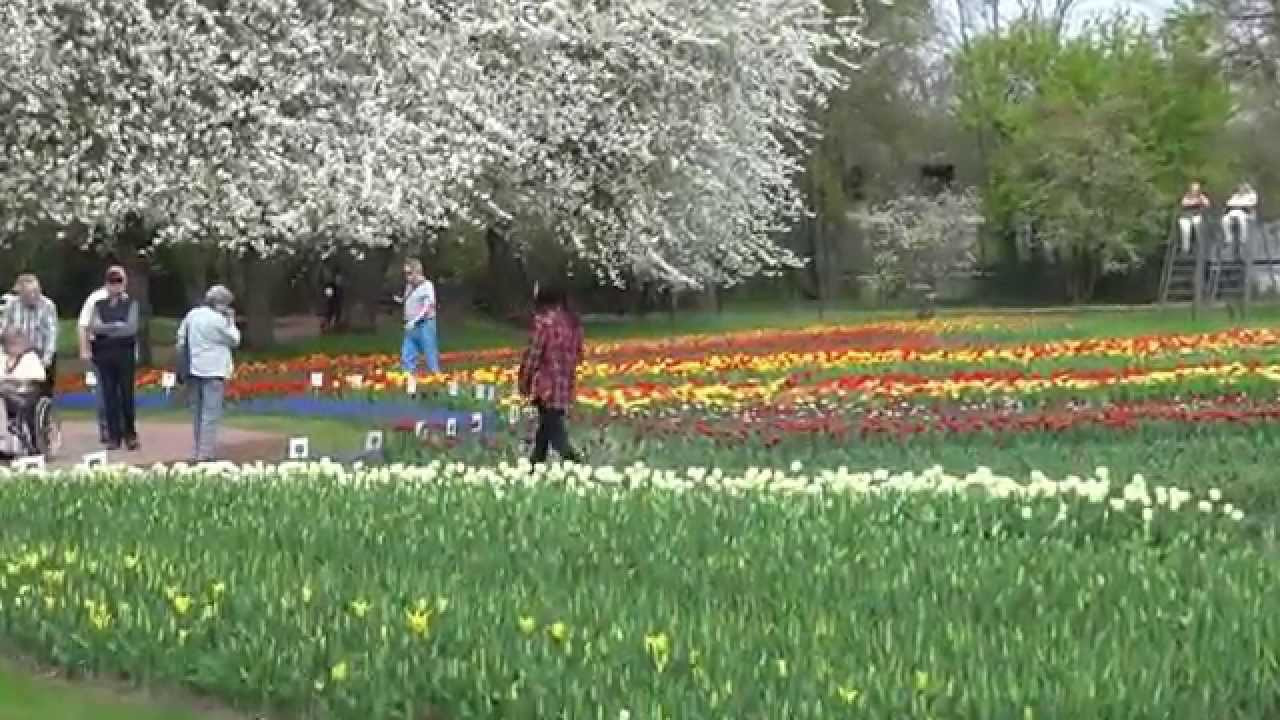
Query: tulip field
{"type": "Point", "coordinates": [974, 517]}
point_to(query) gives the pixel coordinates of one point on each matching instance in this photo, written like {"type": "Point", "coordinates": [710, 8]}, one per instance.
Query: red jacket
{"type": "Point", "coordinates": [549, 368]}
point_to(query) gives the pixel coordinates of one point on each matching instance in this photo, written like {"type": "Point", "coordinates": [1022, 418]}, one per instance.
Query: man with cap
{"type": "Point", "coordinates": [113, 341]}
{"type": "Point", "coordinates": [82, 327]}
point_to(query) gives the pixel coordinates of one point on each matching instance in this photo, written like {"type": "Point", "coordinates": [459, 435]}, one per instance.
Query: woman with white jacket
{"type": "Point", "coordinates": [206, 338]}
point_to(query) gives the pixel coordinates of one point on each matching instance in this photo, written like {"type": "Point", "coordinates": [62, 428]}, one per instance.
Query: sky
{"type": "Point", "coordinates": [1154, 9]}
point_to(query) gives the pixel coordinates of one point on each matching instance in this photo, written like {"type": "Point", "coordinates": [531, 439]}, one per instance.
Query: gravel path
{"type": "Point", "coordinates": [168, 442]}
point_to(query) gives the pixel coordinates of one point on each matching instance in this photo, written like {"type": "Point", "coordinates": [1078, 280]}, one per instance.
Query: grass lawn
{"type": "Point", "coordinates": [26, 697]}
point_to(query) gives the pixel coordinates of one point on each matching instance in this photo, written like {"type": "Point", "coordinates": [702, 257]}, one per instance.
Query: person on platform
{"type": "Point", "coordinates": [1191, 214]}
{"type": "Point", "coordinates": [1242, 208]}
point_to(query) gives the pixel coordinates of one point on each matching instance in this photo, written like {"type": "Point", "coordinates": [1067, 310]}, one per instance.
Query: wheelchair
{"type": "Point", "coordinates": [33, 422]}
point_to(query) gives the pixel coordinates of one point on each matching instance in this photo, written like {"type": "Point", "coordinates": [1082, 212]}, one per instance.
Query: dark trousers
{"type": "Point", "coordinates": [50, 378]}
{"type": "Point", "coordinates": [552, 433]}
{"type": "Point", "coordinates": [115, 375]}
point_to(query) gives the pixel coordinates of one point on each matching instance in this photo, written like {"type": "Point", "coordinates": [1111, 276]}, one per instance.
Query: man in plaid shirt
{"type": "Point", "coordinates": [36, 317]}
{"type": "Point", "coordinates": [549, 369]}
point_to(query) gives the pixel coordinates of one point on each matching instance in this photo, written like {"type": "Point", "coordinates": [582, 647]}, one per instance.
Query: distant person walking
{"type": "Point", "coordinates": [419, 320]}
{"type": "Point", "coordinates": [333, 292]}
{"type": "Point", "coordinates": [206, 337]}
{"type": "Point", "coordinates": [113, 331]}
{"type": "Point", "coordinates": [86, 351]}
{"type": "Point", "coordinates": [549, 370]}
{"type": "Point", "coordinates": [36, 317]}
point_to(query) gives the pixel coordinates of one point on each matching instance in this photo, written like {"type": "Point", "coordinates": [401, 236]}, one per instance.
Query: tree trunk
{"type": "Point", "coordinates": [131, 248]}
{"type": "Point", "coordinates": [508, 285]}
{"type": "Point", "coordinates": [260, 275]}
{"type": "Point", "coordinates": [363, 281]}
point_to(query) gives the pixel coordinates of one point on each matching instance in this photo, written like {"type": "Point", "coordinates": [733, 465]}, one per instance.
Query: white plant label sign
{"type": "Point", "coordinates": [420, 428]}
{"type": "Point", "coordinates": [477, 422]}
{"type": "Point", "coordinates": [91, 379]}
{"type": "Point", "coordinates": [93, 460]}
{"type": "Point", "coordinates": [453, 388]}
{"type": "Point", "coordinates": [451, 427]}
{"type": "Point", "coordinates": [317, 380]}
{"type": "Point", "coordinates": [168, 381]}
{"type": "Point", "coordinates": [299, 448]}
{"type": "Point", "coordinates": [411, 385]}
{"type": "Point", "coordinates": [31, 464]}
{"type": "Point", "coordinates": [373, 441]}
{"type": "Point", "coordinates": [481, 393]}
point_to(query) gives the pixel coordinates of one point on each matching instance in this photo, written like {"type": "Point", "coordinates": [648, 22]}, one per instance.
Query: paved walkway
{"type": "Point", "coordinates": [168, 442]}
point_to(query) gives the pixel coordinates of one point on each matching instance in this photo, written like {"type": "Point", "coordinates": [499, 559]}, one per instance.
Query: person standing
{"type": "Point", "coordinates": [549, 371]}
{"type": "Point", "coordinates": [36, 316]}
{"type": "Point", "coordinates": [419, 320]}
{"type": "Point", "coordinates": [206, 337]}
{"type": "Point", "coordinates": [86, 354]}
{"type": "Point", "coordinates": [113, 331]}
{"type": "Point", "coordinates": [333, 292]}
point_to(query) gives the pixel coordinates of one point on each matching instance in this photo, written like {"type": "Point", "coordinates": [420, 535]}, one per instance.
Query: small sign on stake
{"type": "Point", "coordinates": [355, 381]}
{"type": "Point", "coordinates": [94, 460]}
{"type": "Point", "coordinates": [317, 380]}
{"type": "Point", "coordinates": [420, 428]}
{"type": "Point", "coordinates": [493, 393]}
{"type": "Point", "coordinates": [451, 427]}
{"type": "Point", "coordinates": [513, 416]}
{"type": "Point", "coordinates": [168, 381]}
{"type": "Point", "coordinates": [299, 448]}
{"type": "Point", "coordinates": [453, 388]}
{"type": "Point", "coordinates": [91, 379]}
{"type": "Point", "coordinates": [477, 422]}
{"type": "Point", "coordinates": [411, 386]}
{"type": "Point", "coordinates": [373, 441]}
{"type": "Point", "coordinates": [33, 463]}
{"type": "Point", "coordinates": [481, 394]}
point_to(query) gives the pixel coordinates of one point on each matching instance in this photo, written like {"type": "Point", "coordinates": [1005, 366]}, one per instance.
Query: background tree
{"type": "Point", "coordinates": [1091, 137]}
{"type": "Point", "coordinates": [920, 240]}
{"type": "Point", "coordinates": [657, 138]}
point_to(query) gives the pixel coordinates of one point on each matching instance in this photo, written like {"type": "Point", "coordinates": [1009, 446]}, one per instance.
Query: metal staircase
{"type": "Point", "coordinates": [1178, 279]}
{"type": "Point", "coordinates": [1212, 272]}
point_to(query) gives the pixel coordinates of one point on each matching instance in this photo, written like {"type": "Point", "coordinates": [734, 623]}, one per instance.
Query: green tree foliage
{"type": "Point", "coordinates": [1093, 135]}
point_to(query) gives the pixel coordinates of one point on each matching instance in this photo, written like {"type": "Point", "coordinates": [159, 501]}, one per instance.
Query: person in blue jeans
{"type": "Point", "coordinates": [419, 320]}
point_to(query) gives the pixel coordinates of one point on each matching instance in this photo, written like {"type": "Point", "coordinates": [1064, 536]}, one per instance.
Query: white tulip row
{"type": "Point", "coordinates": [1095, 488]}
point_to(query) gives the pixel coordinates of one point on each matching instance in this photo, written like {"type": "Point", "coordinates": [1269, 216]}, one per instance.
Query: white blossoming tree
{"type": "Point", "coordinates": [658, 137]}
{"type": "Point", "coordinates": [919, 240]}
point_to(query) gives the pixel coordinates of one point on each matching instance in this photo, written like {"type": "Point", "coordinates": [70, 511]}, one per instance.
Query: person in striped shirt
{"type": "Point", "coordinates": [36, 317]}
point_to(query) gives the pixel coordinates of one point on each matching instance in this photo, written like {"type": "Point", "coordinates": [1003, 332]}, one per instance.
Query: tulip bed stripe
{"type": "Point", "coordinates": [459, 591]}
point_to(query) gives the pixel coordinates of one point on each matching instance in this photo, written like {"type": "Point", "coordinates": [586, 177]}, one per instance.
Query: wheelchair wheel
{"type": "Point", "coordinates": [46, 436]}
